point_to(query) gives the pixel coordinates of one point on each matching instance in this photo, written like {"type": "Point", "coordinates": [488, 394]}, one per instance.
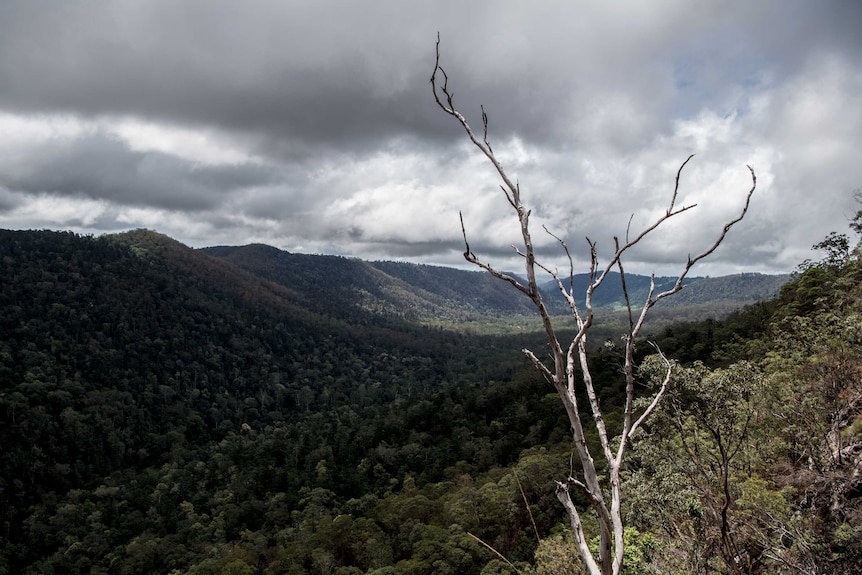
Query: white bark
{"type": "Point", "coordinates": [570, 367]}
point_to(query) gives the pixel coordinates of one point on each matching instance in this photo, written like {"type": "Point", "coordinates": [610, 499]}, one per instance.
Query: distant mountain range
{"type": "Point", "coordinates": [361, 293]}
{"type": "Point", "coordinates": [424, 292]}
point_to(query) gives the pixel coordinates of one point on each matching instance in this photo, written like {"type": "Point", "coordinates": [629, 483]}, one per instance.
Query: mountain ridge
{"type": "Point", "coordinates": [422, 292]}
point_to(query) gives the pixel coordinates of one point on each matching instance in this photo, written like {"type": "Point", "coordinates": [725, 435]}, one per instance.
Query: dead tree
{"type": "Point", "coordinates": [569, 369]}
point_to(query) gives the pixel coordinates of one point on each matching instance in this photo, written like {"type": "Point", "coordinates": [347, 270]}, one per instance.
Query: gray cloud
{"type": "Point", "coordinates": [104, 168]}
{"type": "Point", "coordinates": [8, 200]}
{"type": "Point", "coordinates": [311, 126]}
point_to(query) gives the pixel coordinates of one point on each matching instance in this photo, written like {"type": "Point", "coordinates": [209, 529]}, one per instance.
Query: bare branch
{"type": "Point", "coordinates": [625, 289]}
{"type": "Point", "coordinates": [549, 375]}
{"type": "Point", "coordinates": [494, 551]}
{"type": "Point", "coordinates": [471, 257]}
{"type": "Point", "coordinates": [449, 108]}
{"type": "Point", "coordinates": [575, 521]}
{"type": "Point", "coordinates": [628, 228]}
{"type": "Point", "coordinates": [730, 224]}
{"type": "Point", "coordinates": [568, 294]}
{"type": "Point", "coordinates": [468, 253]}
{"type": "Point", "coordinates": [691, 261]}
{"type": "Point", "coordinates": [658, 396]}
{"type": "Point", "coordinates": [526, 504]}
{"type": "Point", "coordinates": [676, 185]}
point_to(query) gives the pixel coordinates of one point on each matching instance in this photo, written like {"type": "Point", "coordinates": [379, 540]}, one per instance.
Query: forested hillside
{"type": "Point", "coordinates": [131, 364]}
{"type": "Point", "coordinates": [356, 289]}
{"type": "Point", "coordinates": [754, 463]}
{"type": "Point", "coordinates": [446, 296]}
{"type": "Point", "coordinates": [165, 411]}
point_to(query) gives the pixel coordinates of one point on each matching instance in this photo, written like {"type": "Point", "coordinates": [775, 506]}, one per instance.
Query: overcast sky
{"type": "Point", "coordinates": [311, 125]}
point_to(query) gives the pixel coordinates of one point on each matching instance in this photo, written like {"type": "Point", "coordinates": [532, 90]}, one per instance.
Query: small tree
{"type": "Point", "coordinates": [569, 369]}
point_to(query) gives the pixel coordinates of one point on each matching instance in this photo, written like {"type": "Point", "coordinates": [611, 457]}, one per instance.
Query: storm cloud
{"type": "Point", "coordinates": [311, 126]}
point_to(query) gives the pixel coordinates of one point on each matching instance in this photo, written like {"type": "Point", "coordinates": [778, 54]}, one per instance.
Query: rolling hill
{"type": "Point", "coordinates": [433, 294]}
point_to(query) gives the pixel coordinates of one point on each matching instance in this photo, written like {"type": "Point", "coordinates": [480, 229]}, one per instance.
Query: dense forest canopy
{"type": "Point", "coordinates": [168, 410]}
